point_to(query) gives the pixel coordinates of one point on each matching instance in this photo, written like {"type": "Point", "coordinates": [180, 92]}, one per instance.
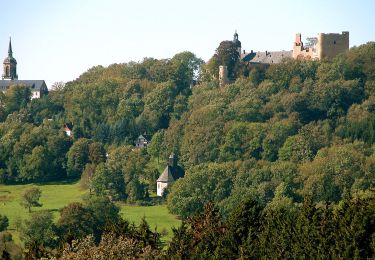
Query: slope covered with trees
{"type": "Point", "coordinates": [291, 142]}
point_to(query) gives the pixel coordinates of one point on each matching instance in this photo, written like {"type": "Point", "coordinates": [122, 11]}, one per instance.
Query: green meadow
{"type": "Point", "coordinates": [56, 196]}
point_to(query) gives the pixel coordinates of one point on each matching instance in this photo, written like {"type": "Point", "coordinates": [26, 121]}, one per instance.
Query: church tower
{"type": "Point", "coordinates": [236, 42]}
{"type": "Point", "coordinates": [10, 65]}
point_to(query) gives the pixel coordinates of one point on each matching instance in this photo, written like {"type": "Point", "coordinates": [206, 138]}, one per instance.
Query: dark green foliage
{"type": "Point", "coordinates": [279, 135]}
{"type": "Point", "coordinates": [76, 221]}
{"type": "Point", "coordinates": [104, 211]}
{"type": "Point", "coordinates": [78, 157]}
{"type": "Point", "coordinates": [180, 245]}
{"type": "Point", "coordinates": [107, 182]}
{"type": "Point", "coordinates": [16, 98]}
{"type": "Point", "coordinates": [206, 182]}
{"type": "Point", "coordinates": [306, 231]}
{"type": "Point", "coordinates": [39, 230]}
{"type": "Point", "coordinates": [226, 54]}
{"type": "Point", "coordinates": [4, 222]}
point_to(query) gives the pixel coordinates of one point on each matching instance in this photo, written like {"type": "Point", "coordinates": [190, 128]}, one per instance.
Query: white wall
{"type": "Point", "coordinates": [160, 188]}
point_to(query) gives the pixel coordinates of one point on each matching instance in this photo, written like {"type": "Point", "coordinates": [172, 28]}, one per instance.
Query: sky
{"type": "Point", "coordinates": [60, 40]}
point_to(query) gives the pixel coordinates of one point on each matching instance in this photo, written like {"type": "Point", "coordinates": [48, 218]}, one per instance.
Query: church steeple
{"type": "Point", "coordinates": [10, 64]}
{"type": "Point", "coordinates": [10, 52]}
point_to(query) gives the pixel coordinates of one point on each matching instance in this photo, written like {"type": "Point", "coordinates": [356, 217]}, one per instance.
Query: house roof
{"type": "Point", "coordinates": [170, 174]}
{"type": "Point", "coordinates": [35, 85]}
{"type": "Point", "coordinates": [267, 57]}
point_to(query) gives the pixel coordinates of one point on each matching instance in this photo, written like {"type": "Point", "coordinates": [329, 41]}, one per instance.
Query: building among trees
{"type": "Point", "coordinates": [142, 141]}
{"type": "Point", "coordinates": [171, 173]}
{"type": "Point", "coordinates": [10, 78]}
{"type": "Point", "coordinates": [326, 45]}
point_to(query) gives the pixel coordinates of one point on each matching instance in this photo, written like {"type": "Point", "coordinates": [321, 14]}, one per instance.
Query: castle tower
{"type": "Point", "coordinates": [236, 42]}
{"type": "Point", "coordinates": [330, 45]}
{"type": "Point", "coordinates": [10, 65]}
{"type": "Point", "coordinates": [223, 75]}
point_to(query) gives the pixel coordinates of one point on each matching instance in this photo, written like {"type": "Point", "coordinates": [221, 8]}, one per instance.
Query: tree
{"type": "Point", "coordinates": [4, 222]}
{"type": "Point", "coordinates": [58, 86]}
{"type": "Point", "coordinates": [97, 153]}
{"type": "Point", "coordinates": [39, 230]}
{"type": "Point", "coordinates": [30, 198]}
{"type": "Point", "coordinates": [110, 246]}
{"type": "Point", "coordinates": [37, 165]}
{"type": "Point", "coordinates": [155, 146]}
{"type": "Point", "coordinates": [201, 184]}
{"type": "Point", "coordinates": [226, 54]}
{"type": "Point", "coordinates": [158, 106]}
{"type": "Point", "coordinates": [75, 222]}
{"type": "Point", "coordinates": [243, 141]}
{"type": "Point", "coordinates": [108, 182]}
{"type": "Point", "coordinates": [78, 157]}
{"type": "Point", "coordinates": [186, 67]}
{"type": "Point", "coordinates": [333, 172]}
{"type": "Point", "coordinates": [105, 213]}
{"type": "Point", "coordinates": [16, 98]}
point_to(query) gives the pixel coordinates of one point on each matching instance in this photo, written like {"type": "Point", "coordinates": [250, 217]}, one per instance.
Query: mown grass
{"type": "Point", "coordinates": [157, 217]}
{"type": "Point", "coordinates": [54, 197]}
{"type": "Point", "coordinates": [57, 195]}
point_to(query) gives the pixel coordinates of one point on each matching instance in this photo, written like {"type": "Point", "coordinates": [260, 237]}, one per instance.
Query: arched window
{"type": "Point", "coordinates": [7, 71]}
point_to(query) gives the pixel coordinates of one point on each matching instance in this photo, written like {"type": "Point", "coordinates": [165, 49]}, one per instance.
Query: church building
{"type": "Point", "coordinates": [10, 78]}
{"type": "Point", "coordinates": [171, 173]}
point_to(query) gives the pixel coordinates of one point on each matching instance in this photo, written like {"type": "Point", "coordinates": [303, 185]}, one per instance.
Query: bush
{"type": "Point", "coordinates": [4, 222]}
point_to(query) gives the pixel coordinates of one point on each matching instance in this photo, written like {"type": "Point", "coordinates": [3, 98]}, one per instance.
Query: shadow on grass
{"type": "Point", "coordinates": [57, 182]}
{"type": "Point", "coordinates": [61, 182]}
{"type": "Point", "coordinates": [53, 210]}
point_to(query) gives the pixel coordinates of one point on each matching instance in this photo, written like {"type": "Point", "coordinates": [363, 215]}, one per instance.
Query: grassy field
{"type": "Point", "coordinates": [56, 196]}
{"type": "Point", "coordinates": [157, 217]}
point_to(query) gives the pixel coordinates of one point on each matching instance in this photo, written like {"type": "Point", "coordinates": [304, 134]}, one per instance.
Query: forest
{"type": "Point", "coordinates": [280, 163]}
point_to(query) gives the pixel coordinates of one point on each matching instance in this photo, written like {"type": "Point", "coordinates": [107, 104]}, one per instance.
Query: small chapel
{"type": "Point", "coordinates": [171, 173]}
{"type": "Point", "coordinates": [9, 77]}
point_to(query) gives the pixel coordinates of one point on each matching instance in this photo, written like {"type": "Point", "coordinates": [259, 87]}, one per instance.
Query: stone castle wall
{"type": "Point", "coordinates": [331, 44]}
{"type": "Point", "coordinates": [328, 45]}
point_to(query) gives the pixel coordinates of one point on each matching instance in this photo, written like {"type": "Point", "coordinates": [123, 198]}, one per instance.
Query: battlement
{"type": "Point", "coordinates": [328, 45]}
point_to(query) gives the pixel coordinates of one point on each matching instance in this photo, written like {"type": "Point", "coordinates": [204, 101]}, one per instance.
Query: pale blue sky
{"type": "Point", "coordinates": [59, 40]}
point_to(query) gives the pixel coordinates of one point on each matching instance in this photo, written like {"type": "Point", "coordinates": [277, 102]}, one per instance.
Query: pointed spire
{"type": "Point", "coordinates": [10, 52]}
{"type": "Point", "coordinates": [235, 36]}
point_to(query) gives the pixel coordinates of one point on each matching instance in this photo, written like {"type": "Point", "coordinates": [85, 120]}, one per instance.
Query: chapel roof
{"type": "Point", "coordinates": [170, 174]}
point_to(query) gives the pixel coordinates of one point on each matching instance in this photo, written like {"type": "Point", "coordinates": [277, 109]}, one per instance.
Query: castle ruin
{"type": "Point", "coordinates": [223, 75]}
{"type": "Point", "coordinates": [328, 45]}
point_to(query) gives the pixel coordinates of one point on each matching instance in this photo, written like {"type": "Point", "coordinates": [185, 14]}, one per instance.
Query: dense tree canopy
{"type": "Point", "coordinates": [304, 114]}
{"type": "Point", "coordinates": [289, 148]}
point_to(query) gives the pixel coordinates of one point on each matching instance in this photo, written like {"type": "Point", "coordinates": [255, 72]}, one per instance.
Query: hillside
{"type": "Point", "coordinates": [291, 138]}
